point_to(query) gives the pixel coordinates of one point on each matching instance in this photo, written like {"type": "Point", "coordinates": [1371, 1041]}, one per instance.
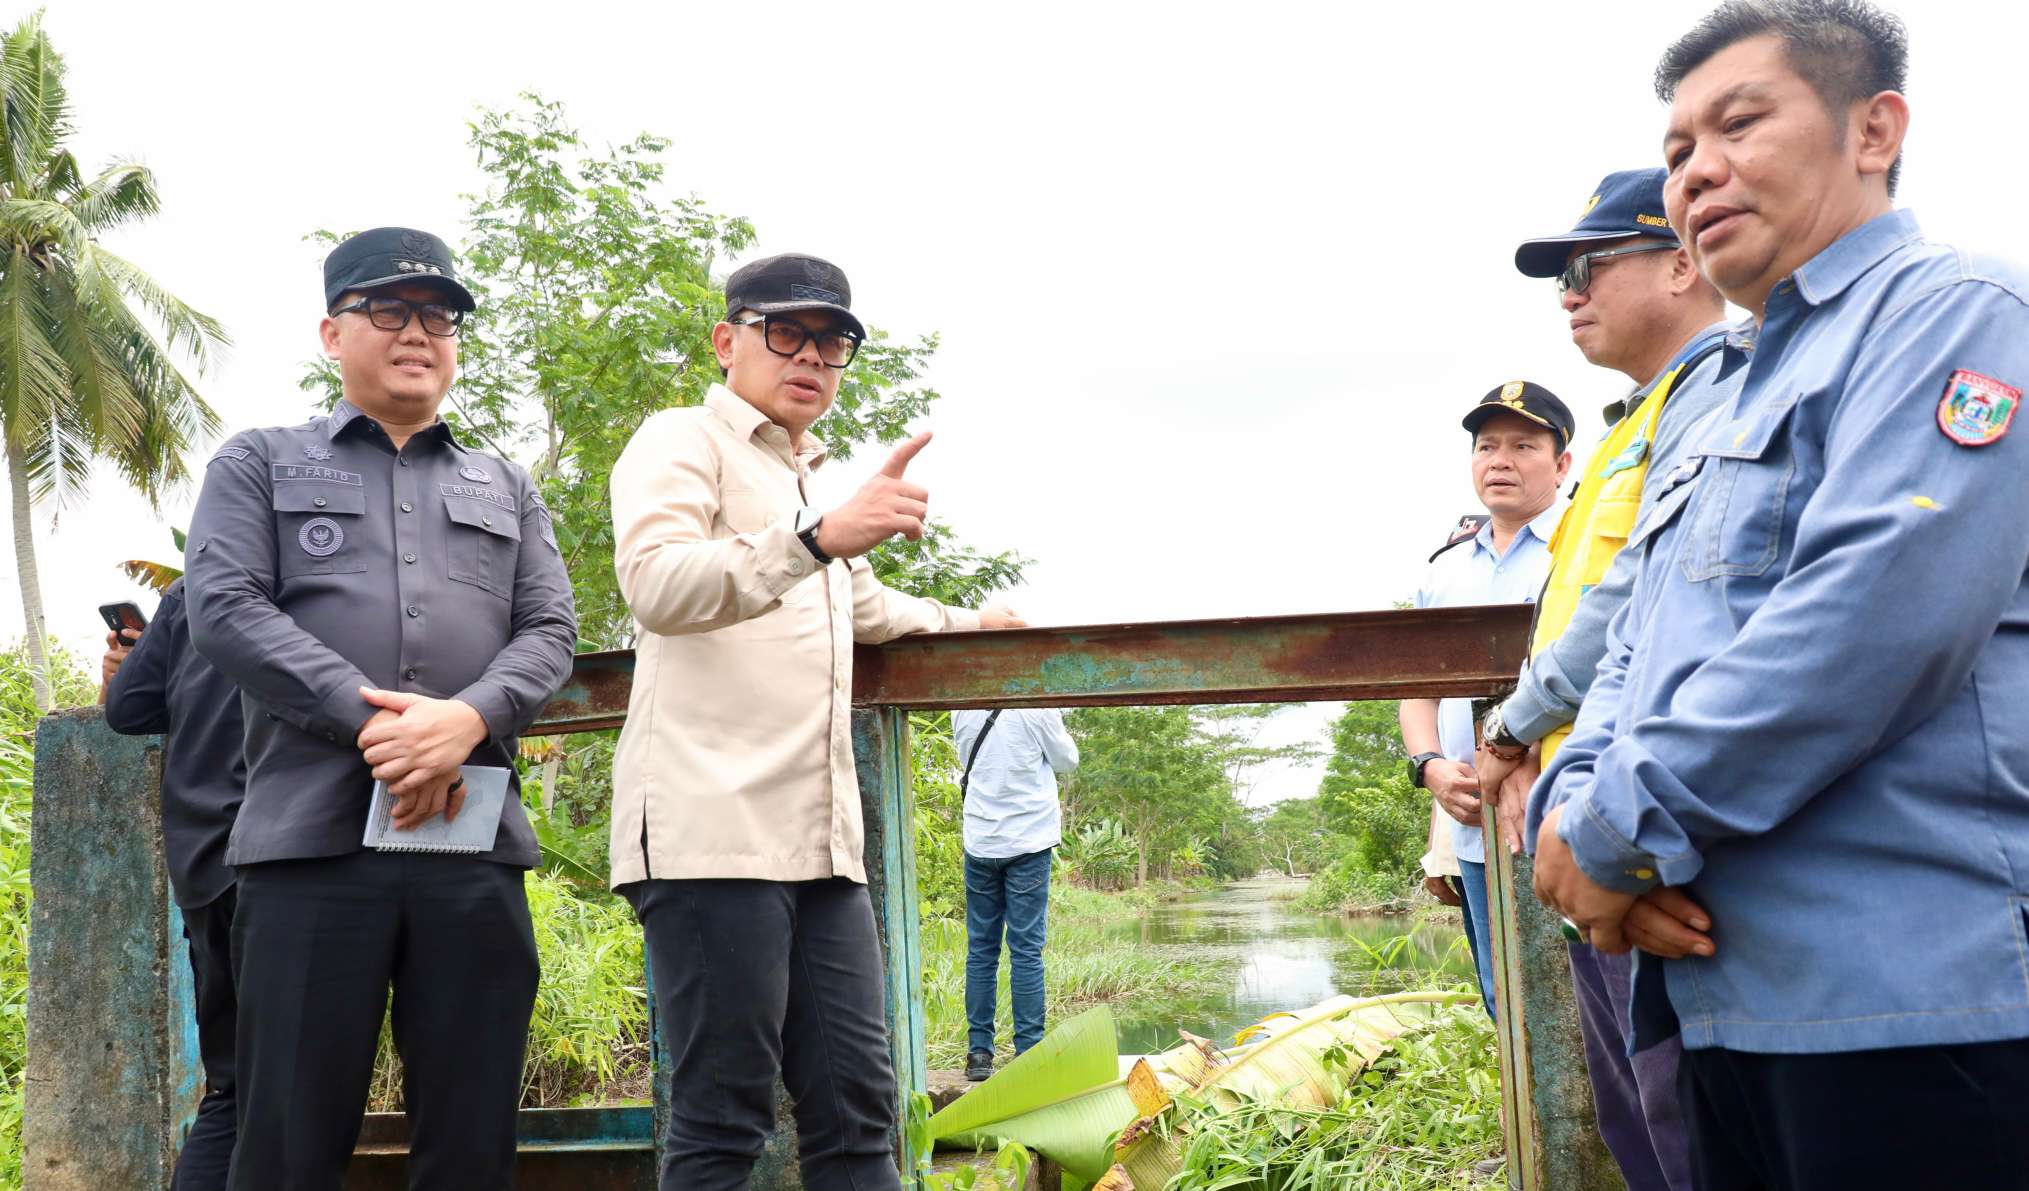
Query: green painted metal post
{"type": "Point", "coordinates": [1546, 1096]}
{"type": "Point", "coordinates": [112, 1078]}
{"type": "Point", "coordinates": [881, 751]}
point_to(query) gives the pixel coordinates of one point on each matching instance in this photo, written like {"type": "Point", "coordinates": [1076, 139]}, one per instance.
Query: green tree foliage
{"type": "Point", "coordinates": [89, 342]}
{"type": "Point", "coordinates": [1294, 835]}
{"type": "Point", "coordinates": [1165, 777]}
{"type": "Point", "coordinates": [1381, 821]}
{"type": "Point", "coordinates": [597, 296]}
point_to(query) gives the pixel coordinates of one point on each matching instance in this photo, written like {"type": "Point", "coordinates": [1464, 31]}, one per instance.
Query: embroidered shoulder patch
{"type": "Point", "coordinates": [227, 453]}
{"type": "Point", "coordinates": [1975, 409]}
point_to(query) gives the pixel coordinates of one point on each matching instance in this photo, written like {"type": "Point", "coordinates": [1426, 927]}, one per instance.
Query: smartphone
{"type": "Point", "coordinates": [124, 615]}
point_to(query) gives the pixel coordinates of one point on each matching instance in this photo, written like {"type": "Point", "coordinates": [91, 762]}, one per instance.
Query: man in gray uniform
{"type": "Point", "coordinates": [391, 605]}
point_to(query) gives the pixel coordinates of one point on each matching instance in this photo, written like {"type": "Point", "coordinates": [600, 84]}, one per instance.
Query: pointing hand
{"type": "Point", "coordinates": [886, 505]}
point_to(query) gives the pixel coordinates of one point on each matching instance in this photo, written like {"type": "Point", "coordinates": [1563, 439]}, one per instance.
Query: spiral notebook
{"type": "Point", "coordinates": [473, 831]}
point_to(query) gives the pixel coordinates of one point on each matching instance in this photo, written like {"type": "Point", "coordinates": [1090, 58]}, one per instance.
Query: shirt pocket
{"type": "Point", "coordinates": [745, 510]}
{"type": "Point", "coordinates": [317, 528]}
{"type": "Point", "coordinates": [485, 545]}
{"type": "Point", "coordinates": [1736, 522]}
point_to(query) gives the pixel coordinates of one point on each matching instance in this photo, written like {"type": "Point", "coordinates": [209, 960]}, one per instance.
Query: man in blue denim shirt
{"type": "Point", "coordinates": [1812, 719]}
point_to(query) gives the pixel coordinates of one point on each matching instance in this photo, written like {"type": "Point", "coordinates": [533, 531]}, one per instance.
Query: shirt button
{"type": "Point", "coordinates": [795, 566]}
{"type": "Point", "coordinates": [415, 611]}
{"type": "Point", "coordinates": [485, 520]}
{"type": "Point", "coordinates": [408, 558]}
{"type": "Point", "coordinates": [319, 501]}
{"type": "Point", "coordinates": [410, 674]}
{"type": "Point", "coordinates": [403, 461]}
{"type": "Point", "coordinates": [1642, 874]}
{"type": "Point", "coordinates": [407, 507]}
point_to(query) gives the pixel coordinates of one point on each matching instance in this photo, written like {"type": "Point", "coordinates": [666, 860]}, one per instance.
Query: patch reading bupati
{"type": "Point", "coordinates": [303, 471]}
{"type": "Point", "coordinates": [1975, 409]}
{"type": "Point", "coordinates": [497, 499]}
{"type": "Point", "coordinates": [320, 537]}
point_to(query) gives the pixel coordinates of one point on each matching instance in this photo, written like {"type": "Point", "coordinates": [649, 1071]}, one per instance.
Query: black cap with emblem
{"type": "Point", "coordinates": [392, 256]}
{"type": "Point", "coordinates": [792, 281]}
{"type": "Point", "coordinates": [1525, 399]}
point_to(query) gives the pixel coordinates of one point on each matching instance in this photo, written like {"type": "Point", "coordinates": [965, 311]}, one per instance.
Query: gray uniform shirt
{"type": "Point", "coordinates": [320, 561]}
{"type": "Point", "coordinates": [1554, 682]}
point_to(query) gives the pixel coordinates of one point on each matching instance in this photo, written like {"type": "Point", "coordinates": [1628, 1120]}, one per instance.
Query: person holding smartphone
{"type": "Point", "coordinates": [156, 681]}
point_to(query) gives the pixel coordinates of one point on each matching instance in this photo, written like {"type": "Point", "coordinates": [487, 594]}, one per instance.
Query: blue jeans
{"type": "Point", "coordinates": [1011, 893]}
{"type": "Point", "coordinates": [1473, 876]}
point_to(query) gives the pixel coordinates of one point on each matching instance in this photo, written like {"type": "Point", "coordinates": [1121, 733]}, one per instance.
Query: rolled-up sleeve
{"type": "Point", "coordinates": [1905, 560]}
{"type": "Point", "coordinates": [230, 587]}
{"type": "Point", "coordinates": [536, 661]}
{"type": "Point", "coordinates": [675, 576]}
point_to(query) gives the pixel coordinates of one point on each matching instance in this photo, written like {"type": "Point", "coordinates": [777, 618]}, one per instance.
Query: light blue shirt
{"type": "Point", "coordinates": [1554, 682]}
{"type": "Point", "coordinates": [1472, 573]}
{"type": "Point", "coordinates": [1815, 712]}
{"type": "Point", "coordinates": [1011, 800]}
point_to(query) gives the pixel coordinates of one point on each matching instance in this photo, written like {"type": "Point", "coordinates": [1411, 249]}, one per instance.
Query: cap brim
{"type": "Point", "coordinates": [852, 321]}
{"type": "Point", "coordinates": [1546, 257]}
{"type": "Point", "coordinates": [462, 295]}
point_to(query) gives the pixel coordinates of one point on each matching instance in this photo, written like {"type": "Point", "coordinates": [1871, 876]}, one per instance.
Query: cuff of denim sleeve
{"type": "Point", "coordinates": [1602, 854]}
{"type": "Point", "coordinates": [1529, 715]}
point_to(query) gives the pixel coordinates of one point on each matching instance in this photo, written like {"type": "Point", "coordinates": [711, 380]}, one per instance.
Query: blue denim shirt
{"type": "Point", "coordinates": [1816, 710]}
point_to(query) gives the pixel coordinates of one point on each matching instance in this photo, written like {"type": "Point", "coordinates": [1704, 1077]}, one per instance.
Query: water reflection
{"type": "Point", "coordinates": [1280, 957]}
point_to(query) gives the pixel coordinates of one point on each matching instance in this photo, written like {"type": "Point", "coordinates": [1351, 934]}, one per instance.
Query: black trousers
{"type": "Point", "coordinates": [316, 945]}
{"type": "Point", "coordinates": [756, 978]}
{"type": "Point", "coordinates": [207, 1148]}
{"type": "Point", "coordinates": [1909, 1119]}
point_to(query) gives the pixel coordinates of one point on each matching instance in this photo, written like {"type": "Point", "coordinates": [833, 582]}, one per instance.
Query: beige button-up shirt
{"type": "Point", "coordinates": [736, 758]}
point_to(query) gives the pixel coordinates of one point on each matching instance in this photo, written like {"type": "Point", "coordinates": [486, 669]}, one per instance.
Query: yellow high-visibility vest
{"type": "Point", "coordinates": [1599, 518]}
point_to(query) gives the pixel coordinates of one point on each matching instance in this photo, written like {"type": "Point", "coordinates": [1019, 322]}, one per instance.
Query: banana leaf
{"type": "Point", "coordinates": [1307, 1061]}
{"type": "Point", "coordinates": [1065, 1096]}
{"type": "Point", "coordinates": [156, 575]}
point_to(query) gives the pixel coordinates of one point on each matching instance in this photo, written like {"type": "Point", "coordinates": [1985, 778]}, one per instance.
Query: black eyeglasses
{"type": "Point", "coordinates": [786, 337]}
{"type": "Point", "coordinates": [1577, 276]}
{"type": "Point", "coordinates": [392, 314]}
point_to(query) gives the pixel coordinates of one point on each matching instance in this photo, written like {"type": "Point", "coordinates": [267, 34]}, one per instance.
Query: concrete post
{"type": "Point", "coordinates": [113, 1077]}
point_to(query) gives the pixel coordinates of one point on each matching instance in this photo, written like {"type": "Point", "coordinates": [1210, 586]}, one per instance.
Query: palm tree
{"type": "Point", "coordinates": [88, 342]}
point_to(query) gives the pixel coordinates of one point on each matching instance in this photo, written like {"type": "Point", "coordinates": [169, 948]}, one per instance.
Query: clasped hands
{"type": "Point", "coordinates": [416, 744]}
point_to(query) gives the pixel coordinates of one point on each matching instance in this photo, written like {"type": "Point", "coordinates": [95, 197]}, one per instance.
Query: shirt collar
{"type": "Point", "coordinates": [747, 421]}
{"type": "Point", "coordinates": [1828, 274]}
{"type": "Point", "coordinates": [1542, 525]}
{"type": "Point", "coordinates": [345, 413]}
{"type": "Point", "coordinates": [1621, 409]}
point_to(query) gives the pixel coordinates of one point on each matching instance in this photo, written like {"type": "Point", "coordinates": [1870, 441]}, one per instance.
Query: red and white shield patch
{"type": "Point", "coordinates": [1975, 409]}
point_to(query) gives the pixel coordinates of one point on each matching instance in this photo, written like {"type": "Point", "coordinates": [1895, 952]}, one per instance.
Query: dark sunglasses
{"type": "Point", "coordinates": [1577, 276]}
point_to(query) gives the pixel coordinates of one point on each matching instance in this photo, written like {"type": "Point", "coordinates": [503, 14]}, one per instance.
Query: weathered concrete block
{"type": "Point", "coordinates": [110, 1078]}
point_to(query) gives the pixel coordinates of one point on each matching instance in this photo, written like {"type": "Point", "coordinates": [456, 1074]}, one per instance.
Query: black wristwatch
{"type": "Point", "coordinates": [807, 521]}
{"type": "Point", "coordinates": [1416, 764]}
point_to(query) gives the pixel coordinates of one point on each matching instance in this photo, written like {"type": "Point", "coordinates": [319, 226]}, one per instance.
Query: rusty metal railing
{"type": "Point", "coordinates": [108, 977]}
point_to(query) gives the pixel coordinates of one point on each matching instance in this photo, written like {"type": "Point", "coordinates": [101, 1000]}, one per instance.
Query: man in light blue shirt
{"type": "Point", "coordinates": [1011, 759]}
{"type": "Point", "coordinates": [1521, 435]}
{"type": "Point", "coordinates": [1800, 783]}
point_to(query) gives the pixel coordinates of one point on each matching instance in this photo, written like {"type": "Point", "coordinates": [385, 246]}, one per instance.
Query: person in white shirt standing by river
{"type": "Point", "coordinates": [1011, 759]}
{"type": "Point", "coordinates": [1521, 452]}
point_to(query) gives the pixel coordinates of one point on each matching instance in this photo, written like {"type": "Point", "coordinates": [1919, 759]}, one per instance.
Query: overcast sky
{"type": "Point", "coordinates": [1215, 282]}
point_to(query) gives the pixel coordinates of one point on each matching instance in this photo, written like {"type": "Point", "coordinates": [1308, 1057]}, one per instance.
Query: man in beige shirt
{"type": "Point", "coordinates": [736, 813]}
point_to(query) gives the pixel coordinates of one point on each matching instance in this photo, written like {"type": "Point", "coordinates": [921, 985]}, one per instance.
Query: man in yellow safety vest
{"type": "Point", "coordinates": [1637, 305]}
